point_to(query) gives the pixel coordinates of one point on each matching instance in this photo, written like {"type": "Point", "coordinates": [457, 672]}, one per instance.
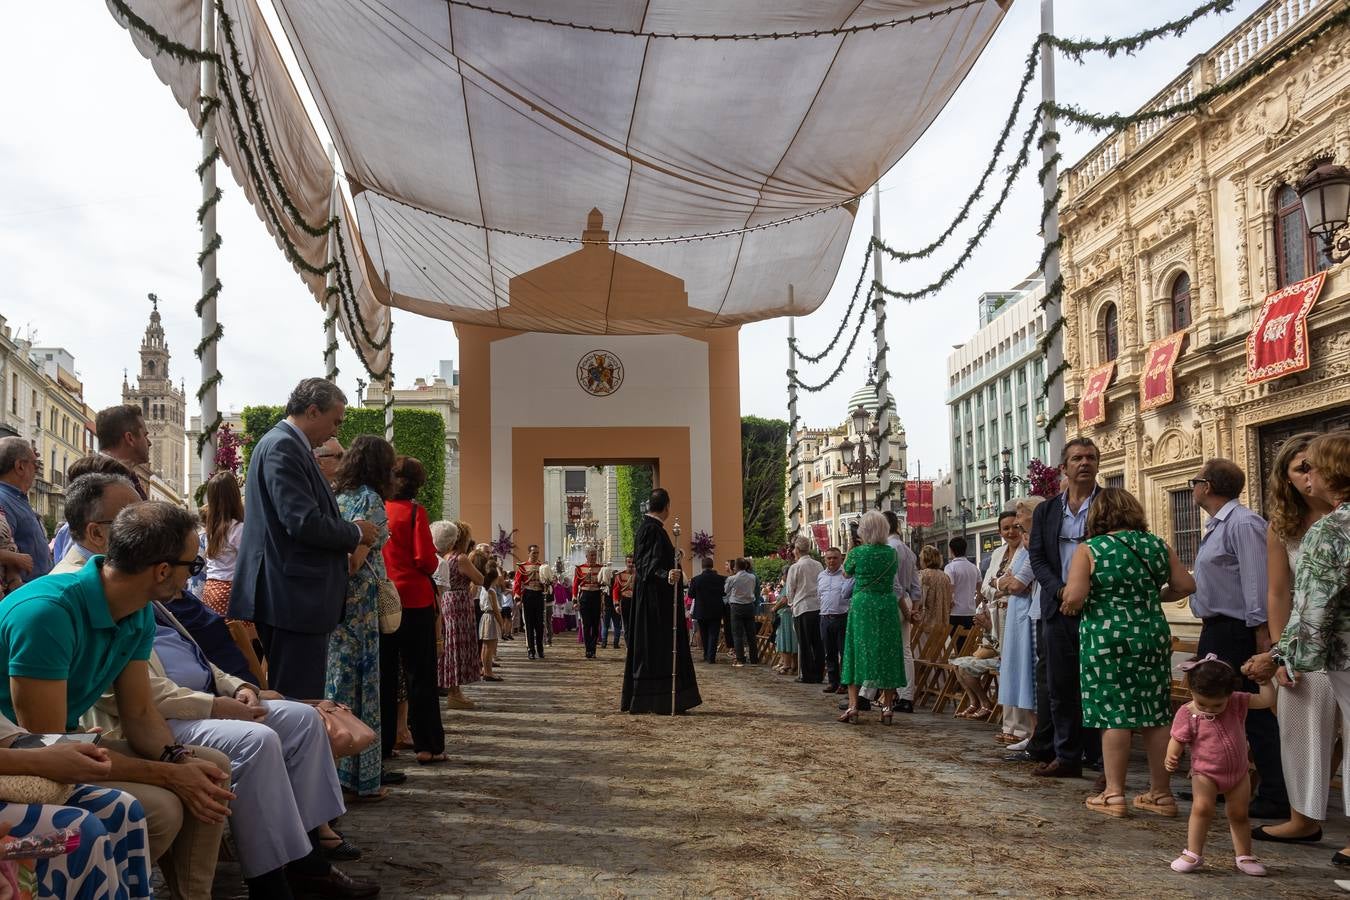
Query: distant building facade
{"type": "Point", "coordinates": [441, 396]}
{"type": "Point", "coordinates": [164, 409]}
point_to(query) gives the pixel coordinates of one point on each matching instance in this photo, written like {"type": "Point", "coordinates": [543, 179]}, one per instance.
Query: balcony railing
{"type": "Point", "coordinates": [1258, 34]}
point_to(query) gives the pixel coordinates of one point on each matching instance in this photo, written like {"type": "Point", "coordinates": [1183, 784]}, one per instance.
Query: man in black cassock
{"type": "Point", "coordinates": [646, 670]}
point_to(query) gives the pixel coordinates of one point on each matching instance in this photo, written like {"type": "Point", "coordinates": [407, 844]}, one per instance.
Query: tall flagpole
{"type": "Point", "coordinates": [883, 373]}
{"type": "Point", "coordinates": [206, 453]}
{"type": "Point", "coordinates": [330, 298]}
{"type": "Point", "coordinates": [389, 374]}
{"type": "Point", "coordinates": [1054, 356]}
{"type": "Point", "coordinates": [794, 454]}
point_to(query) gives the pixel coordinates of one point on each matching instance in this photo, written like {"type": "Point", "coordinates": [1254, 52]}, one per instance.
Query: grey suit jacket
{"type": "Point", "coordinates": [291, 571]}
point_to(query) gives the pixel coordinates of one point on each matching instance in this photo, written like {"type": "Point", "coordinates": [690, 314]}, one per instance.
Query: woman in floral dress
{"type": "Point", "coordinates": [365, 478]}
{"type": "Point", "coordinates": [874, 651]}
{"type": "Point", "coordinates": [1124, 574]}
{"type": "Point", "coordinates": [460, 580]}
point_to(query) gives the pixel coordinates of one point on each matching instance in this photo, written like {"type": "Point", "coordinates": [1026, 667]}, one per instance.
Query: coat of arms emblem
{"type": "Point", "coordinates": [599, 373]}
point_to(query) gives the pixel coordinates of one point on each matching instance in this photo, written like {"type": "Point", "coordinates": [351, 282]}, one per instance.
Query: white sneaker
{"type": "Point", "coordinates": [1020, 745]}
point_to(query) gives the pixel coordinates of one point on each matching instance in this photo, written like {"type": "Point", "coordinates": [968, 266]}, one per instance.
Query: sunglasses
{"type": "Point", "coordinates": [1194, 481]}
{"type": "Point", "coordinates": [194, 566]}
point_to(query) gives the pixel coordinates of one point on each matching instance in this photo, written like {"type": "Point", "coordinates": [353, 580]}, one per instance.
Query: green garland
{"type": "Point", "coordinates": [843, 322]}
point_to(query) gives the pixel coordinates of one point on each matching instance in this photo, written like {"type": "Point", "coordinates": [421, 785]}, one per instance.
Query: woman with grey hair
{"type": "Point", "coordinates": [874, 652]}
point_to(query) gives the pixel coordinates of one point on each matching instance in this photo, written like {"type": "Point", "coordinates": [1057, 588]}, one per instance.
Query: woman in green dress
{"type": "Point", "coordinates": [1124, 574]}
{"type": "Point", "coordinates": [874, 652]}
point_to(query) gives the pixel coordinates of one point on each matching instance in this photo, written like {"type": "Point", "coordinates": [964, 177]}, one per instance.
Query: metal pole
{"type": "Point", "coordinates": [389, 377]}
{"type": "Point", "coordinates": [330, 298]}
{"type": "Point", "coordinates": [1054, 356]}
{"type": "Point", "coordinates": [675, 622]}
{"type": "Point", "coordinates": [794, 460]}
{"type": "Point", "coordinates": [206, 456]}
{"type": "Point", "coordinates": [1007, 477]}
{"type": "Point", "coordinates": [883, 369]}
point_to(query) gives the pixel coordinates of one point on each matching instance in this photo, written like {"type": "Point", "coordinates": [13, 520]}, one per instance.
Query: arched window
{"type": "Point", "coordinates": [1110, 332]}
{"type": "Point", "coordinates": [150, 366]}
{"type": "Point", "coordinates": [1297, 253]}
{"type": "Point", "coordinates": [1181, 302]}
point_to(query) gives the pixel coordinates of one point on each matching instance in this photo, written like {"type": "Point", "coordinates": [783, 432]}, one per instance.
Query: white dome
{"type": "Point", "coordinates": [866, 397]}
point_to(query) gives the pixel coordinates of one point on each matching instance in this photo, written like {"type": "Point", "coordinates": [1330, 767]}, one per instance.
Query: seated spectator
{"type": "Point", "coordinates": [13, 564]}
{"type": "Point", "coordinates": [111, 861]}
{"type": "Point", "coordinates": [66, 639]}
{"type": "Point", "coordinates": [94, 464]}
{"type": "Point", "coordinates": [18, 473]}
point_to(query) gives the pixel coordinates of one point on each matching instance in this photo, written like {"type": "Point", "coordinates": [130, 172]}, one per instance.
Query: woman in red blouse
{"type": "Point", "coordinates": [410, 558]}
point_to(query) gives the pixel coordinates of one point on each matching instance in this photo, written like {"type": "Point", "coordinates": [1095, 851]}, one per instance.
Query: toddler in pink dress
{"type": "Point", "coordinates": [1213, 724]}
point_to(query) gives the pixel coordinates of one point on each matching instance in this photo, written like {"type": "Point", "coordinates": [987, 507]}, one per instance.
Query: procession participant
{"type": "Point", "coordinates": [620, 595]}
{"type": "Point", "coordinates": [529, 586]}
{"type": "Point", "coordinates": [587, 589]}
{"type": "Point", "coordinates": [652, 623]}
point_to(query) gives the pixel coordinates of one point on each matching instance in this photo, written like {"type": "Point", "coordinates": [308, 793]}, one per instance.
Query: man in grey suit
{"type": "Point", "coordinates": [291, 574]}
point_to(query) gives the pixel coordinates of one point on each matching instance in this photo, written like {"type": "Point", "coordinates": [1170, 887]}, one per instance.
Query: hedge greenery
{"type": "Point", "coordinates": [417, 432]}
{"type": "Point", "coordinates": [634, 487]}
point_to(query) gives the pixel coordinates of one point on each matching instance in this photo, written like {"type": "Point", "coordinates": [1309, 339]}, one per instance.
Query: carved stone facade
{"type": "Point", "coordinates": [1199, 197]}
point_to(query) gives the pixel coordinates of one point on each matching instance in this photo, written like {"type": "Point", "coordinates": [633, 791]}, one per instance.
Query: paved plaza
{"type": "Point", "coordinates": [551, 792]}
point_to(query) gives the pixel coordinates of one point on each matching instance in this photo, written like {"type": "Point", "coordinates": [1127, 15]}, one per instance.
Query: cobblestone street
{"type": "Point", "coordinates": [551, 792]}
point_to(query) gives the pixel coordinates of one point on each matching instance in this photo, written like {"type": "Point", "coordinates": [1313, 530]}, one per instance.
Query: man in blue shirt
{"type": "Point", "coordinates": [1230, 601]}
{"type": "Point", "coordinates": [18, 471]}
{"type": "Point", "coordinates": [65, 639]}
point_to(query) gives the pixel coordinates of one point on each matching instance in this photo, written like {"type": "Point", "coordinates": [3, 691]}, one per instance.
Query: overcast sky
{"type": "Point", "coordinates": [98, 196]}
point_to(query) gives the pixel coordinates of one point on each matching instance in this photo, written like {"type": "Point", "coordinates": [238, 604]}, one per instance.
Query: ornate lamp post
{"type": "Point", "coordinates": [1325, 194]}
{"type": "Point", "coordinates": [860, 458]}
{"type": "Point", "coordinates": [1004, 477]}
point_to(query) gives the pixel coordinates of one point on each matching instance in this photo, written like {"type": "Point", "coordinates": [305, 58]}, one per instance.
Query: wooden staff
{"type": "Point", "coordinates": [679, 611]}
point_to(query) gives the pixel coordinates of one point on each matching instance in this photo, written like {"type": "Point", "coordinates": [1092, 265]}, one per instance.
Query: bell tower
{"type": "Point", "coordinates": [161, 403]}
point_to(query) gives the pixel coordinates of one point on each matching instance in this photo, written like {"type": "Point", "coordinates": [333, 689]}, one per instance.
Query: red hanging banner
{"type": "Point", "coordinates": [821, 532]}
{"type": "Point", "coordinates": [1278, 343]}
{"type": "Point", "coordinates": [1092, 405]}
{"type": "Point", "coordinates": [919, 502]}
{"type": "Point", "coordinates": [1157, 388]}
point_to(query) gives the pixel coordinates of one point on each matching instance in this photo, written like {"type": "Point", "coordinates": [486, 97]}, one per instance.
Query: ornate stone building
{"type": "Point", "coordinates": [163, 406]}
{"type": "Point", "coordinates": [1187, 225]}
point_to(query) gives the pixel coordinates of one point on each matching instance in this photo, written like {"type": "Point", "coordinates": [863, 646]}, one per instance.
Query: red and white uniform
{"type": "Point", "coordinates": [527, 579]}
{"type": "Point", "coordinates": [622, 591]}
{"type": "Point", "coordinates": [585, 577]}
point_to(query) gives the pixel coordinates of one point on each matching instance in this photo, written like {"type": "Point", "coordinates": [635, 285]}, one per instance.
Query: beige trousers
{"type": "Point", "coordinates": [185, 848]}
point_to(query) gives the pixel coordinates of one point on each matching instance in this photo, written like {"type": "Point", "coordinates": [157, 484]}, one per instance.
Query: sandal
{"type": "Point", "coordinates": [850, 716]}
{"type": "Point", "coordinates": [1004, 738]}
{"type": "Point", "coordinates": [1250, 865]}
{"type": "Point", "coordinates": [382, 794]}
{"type": "Point", "coordinates": [1159, 804]}
{"type": "Point", "coordinates": [1102, 803]}
{"type": "Point", "coordinates": [1188, 862]}
{"type": "Point", "coordinates": [887, 715]}
{"type": "Point", "coordinates": [431, 758]}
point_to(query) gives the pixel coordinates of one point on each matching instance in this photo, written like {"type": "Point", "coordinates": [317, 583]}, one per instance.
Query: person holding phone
{"type": "Point", "coordinates": [110, 858]}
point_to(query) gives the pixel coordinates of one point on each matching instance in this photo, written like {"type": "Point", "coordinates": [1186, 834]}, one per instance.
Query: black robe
{"type": "Point", "coordinates": [646, 670]}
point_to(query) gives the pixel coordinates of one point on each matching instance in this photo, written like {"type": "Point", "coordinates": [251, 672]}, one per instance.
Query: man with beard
{"type": "Point", "coordinates": [652, 624]}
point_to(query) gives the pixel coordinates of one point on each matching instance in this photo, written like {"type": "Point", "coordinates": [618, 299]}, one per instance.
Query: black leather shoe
{"type": "Point", "coordinates": [1259, 833]}
{"type": "Point", "coordinates": [335, 884]}
{"type": "Point", "coordinates": [904, 706]}
{"type": "Point", "coordinates": [389, 777]}
{"type": "Point", "coordinates": [1021, 756]}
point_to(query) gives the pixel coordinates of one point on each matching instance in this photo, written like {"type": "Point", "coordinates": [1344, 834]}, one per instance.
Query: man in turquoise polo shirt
{"type": "Point", "coordinates": [65, 639]}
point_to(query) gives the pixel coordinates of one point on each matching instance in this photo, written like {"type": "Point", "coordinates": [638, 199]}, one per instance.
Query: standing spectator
{"type": "Point", "coordinates": [490, 623]}
{"type": "Point", "coordinates": [18, 471]}
{"type": "Point", "coordinates": [329, 457]}
{"type": "Point", "coordinates": [908, 592]}
{"type": "Point", "coordinates": [1317, 637]}
{"type": "Point", "coordinates": [707, 588]}
{"type": "Point", "coordinates": [1230, 601]}
{"type": "Point", "coordinates": [410, 559]}
{"type": "Point", "coordinates": [1058, 527]}
{"type": "Point", "coordinates": [1118, 572]}
{"type": "Point", "coordinates": [835, 589]}
{"type": "Point", "coordinates": [224, 529]}
{"type": "Point", "coordinates": [1307, 707]}
{"type": "Point", "coordinates": [364, 480]}
{"type": "Point", "coordinates": [965, 576]}
{"type": "Point", "coordinates": [291, 575]}
{"type": "Point", "coordinates": [459, 580]}
{"type": "Point", "coordinates": [739, 592]}
{"type": "Point", "coordinates": [799, 587]}
{"type": "Point", "coordinates": [123, 440]}
{"type": "Point", "coordinates": [1017, 670]}
{"type": "Point", "coordinates": [935, 593]}
{"type": "Point", "coordinates": [873, 650]}
{"type": "Point", "coordinates": [785, 637]}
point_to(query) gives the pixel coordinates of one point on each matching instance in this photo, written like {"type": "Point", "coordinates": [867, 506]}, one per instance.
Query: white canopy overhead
{"type": "Point", "coordinates": [481, 138]}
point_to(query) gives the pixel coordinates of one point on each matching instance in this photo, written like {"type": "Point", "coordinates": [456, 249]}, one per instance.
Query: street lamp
{"type": "Point", "coordinates": [1325, 195]}
{"type": "Point", "coordinates": [859, 458]}
{"type": "Point", "coordinates": [1005, 476]}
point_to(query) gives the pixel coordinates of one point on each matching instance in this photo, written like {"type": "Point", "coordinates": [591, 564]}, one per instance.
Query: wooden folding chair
{"type": "Point", "coordinates": [244, 635]}
{"type": "Point", "coordinates": [764, 637]}
{"type": "Point", "coordinates": [963, 643]}
{"type": "Point", "coordinates": [934, 653]}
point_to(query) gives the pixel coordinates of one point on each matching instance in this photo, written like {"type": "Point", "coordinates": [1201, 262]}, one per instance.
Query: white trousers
{"type": "Point", "coordinates": [285, 782]}
{"type": "Point", "coordinates": [1018, 721]}
{"type": "Point", "coordinates": [1307, 715]}
{"type": "Point", "coordinates": [906, 692]}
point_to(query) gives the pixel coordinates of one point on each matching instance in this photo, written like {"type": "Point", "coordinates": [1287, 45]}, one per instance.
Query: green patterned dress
{"type": "Point", "coordinates": [874, 652]}
{"type": "Point", "coordinates": [1125, 646]}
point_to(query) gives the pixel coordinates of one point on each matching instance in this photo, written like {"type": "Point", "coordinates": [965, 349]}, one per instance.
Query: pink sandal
{"type": "Point", "coordinates": [1188, 862]}
{"type": "Point", "coordinates": [1250, 865]}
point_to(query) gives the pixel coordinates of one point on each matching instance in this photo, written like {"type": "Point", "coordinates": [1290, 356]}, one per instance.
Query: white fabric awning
{"type": "Point", "coordinates": [480, 143]}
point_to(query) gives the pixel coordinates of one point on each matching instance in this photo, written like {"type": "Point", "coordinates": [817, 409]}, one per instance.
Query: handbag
{"type": "Point", "coordinates": [390, 606]}
{"type": "Point", "coordinates": [347, 734]}
{"type": "Point", "coordinates": [33, 789]}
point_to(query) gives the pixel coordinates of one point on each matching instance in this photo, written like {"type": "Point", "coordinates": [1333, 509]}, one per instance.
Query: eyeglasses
{"type": "Point", "coordinates": [194, 566]}
{"type": "Point", "coordinates": [1194, 481]}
